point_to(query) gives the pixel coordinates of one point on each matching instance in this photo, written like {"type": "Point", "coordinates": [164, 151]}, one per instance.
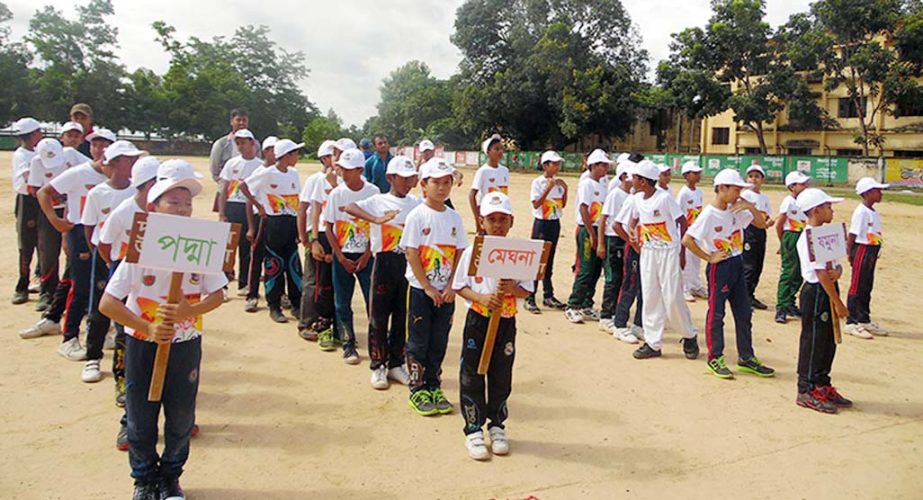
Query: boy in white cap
{"type": "Point", "coordinates": [864, 243]}
{"type": "Point", "coordinates": [717, 237]}
{"type": "Point", "coordinates": [788, 228]}
{"type": "Point", "coordinates": [591, 193]}
{"type": "Point", "coordinates": [820, 297]}
{"type": "Point", "coordinates": [232, 204]}
{"type": "Point", "coordinates": [119, 157]}
{"type": "Point", "coordinates": [316, 310]}
{"type": "Point", "coordinates": [144, 314]}
{"type": "Point", "coordinates": [274, 193]}
{"type": "Point", "coordinates": [349, 242]}
{"type": "Point", "coordinates": [690, 201]}
{"type": "Point", "coordinates": [548, 197]}
{"type": "Point", "coordinates": [755, 237]}
{"type": "Point", "coordinates": [387, 212]}
{"type": "Point", "coordinates": [663, 181]}
{"type": "Point", "coordinates": [74, 184]}
{"type": "Point", "coordinates": [322, 253]}
{"type": "Point", "coordinates": [657, 224]}
{"type": "Point", "coordinates": [47, 164]}
{"type": "Point", "coordinates": [254, 232]}
{"type": "Point", "coordinates": [611, 249]}
{"type": "Point", "coordinates": [29, 132]}
{"type": "Point", "coordinates": [432, 237]}
{"type": "Point", "coordinates": [630, 289]}
{"type": "Point", "coordinates": [483, 397]}
{"type": "Point", "coordinates": [492, 176]}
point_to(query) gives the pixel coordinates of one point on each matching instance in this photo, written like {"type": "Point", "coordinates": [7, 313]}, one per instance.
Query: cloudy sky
{"type": "Point", "coordinates": [351, 45]}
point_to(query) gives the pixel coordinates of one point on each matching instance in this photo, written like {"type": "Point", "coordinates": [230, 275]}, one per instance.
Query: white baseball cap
{"type": "Point", "coordinates": [598, 156]}
{"type": "Point", "coordinates": [550, 156]}
{"type": "Point", "coordinates": [345, 143]}
{"type": "Point", "coordinates": [269, 142]}
{"type": "Point", "coordinates": [50, 152]}
{"type": "Point", "coordinates": [647, 169]}
{"type": "Point", "coordinates": [402, 166]}
{"type": "Point", "coordinates": [244, 134]}
{"type": "Point", "coordinates": [121, 148]}
{"type": "Point", "coordinates": [796, 177]}
{"type": "Point", "coordinates": [427, 145]}
{"type": "Point", "coordinates": [625, 166]}
{"type": "Point", "coordinates": [101, 133]}
{"type": "Point", "coordinates": [865, 184]}
{"type": "Point", "coordinates": [661, 167]}
{"type": "Point", "coordinates": [690, 166]}
{"type": "Point", "coordinates": [730, 177]}
{"type": "Point", "coordinates": [352, 158]}
{"type": "Point", "coordinates": [285, 146]}
{"type": "Point", "coordinates": [26, 125]}
{"type": "Point", "coordinates": [326, 148]}
{"type": "Point", "coordinates": [490, 140]}
{"type": "Point", "coordinates": [144, 170]}
{"type": "Point", "coordinates": [68, 126]}
{"type": "Point", "coordinates": [622, 157]}
{"type": "Point", "coordinates": [496, 202]}
{"type": "Point", "coordinates": [173, 174]}
{"type": "Point", "coordinates": [436, 168]}
{"type": "Point", "coordinates": [755, 167]}
{"type": "Point", "coordinates": [814, 197]}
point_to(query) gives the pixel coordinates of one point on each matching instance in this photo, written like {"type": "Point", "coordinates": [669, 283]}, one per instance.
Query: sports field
{"type": "Point", "coordinates": [280, 419]}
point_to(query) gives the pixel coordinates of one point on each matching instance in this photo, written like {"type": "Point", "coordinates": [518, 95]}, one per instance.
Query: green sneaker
{"type": "Point", "coordinates": [325, 340]}
{"type": "Point", "coordinates": [422, 403]}
{"type": "Point", "coordinates": [754, 366]}
{"type": "Point", "coordinates": [718, 368]}
{"type": "Point", "coordinates": [443, 405]}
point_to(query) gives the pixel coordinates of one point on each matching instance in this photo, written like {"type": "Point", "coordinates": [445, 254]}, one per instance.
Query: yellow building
{"type": "Point", "coordinates": [903, 136]}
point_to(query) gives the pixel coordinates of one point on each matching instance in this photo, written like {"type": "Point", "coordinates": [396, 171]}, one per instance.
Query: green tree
{"type": "Point", "coordinates": [17, 97]}
{"type": "Point", "coordinates": [412, 103]}
{"type": "Point", "coordinates": [320, 129]}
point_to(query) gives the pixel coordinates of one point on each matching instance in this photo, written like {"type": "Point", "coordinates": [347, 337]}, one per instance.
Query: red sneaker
{"type": "Point", "coordinates": [832, 396]}
{"type": "Point", "coordinates": [813, 401]}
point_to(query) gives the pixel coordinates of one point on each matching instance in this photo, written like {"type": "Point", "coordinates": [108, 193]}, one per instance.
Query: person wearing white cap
{"type": "Point", "coordinates": [232, 204]}
{"type": "Point", "coordinates": [717, 237]}
{"type": "Point", "coordinates": [630, 290]}
{"type": "Point", "coordinates": [548, 197]}
{"type": "Point", "coordinates": [490, 177]}
{"type": "Point", "coordinates": [387, 212]}
{"type": "Point", "coordinates": [71, 138]}
{"type": "Point", "coordinates": [274, 193]}
{"type": "Point", "coordinates": [863, 244]}
{"type": "Point", "coordinates": [74, 184]}
{"type": "Point", "coordinates": [349, 241]}
{"type": "Point", "coordinates": [29, 132]}
{"type": "Point", "coordinates": [690, 201]}
{"type": "Point", "coordinates": [432, 238]}
{"type": "Point", "coordinates": [82, 114]}
{"type": "Point", "coordinates": [427, 150]}
{"type": "Point", "coordinates": [611, 249]}
{"type": "Point", "coordinates": [342, 144]}
{"type": "Point", "coordinates": [119, 157]}
{"type": "Point", "coordinates": [663, 181]}
{"type": "Point", "coordinates": [134, 297]}
{"type": "Point", "coordinates": [254, 234]}
{"type": "Point", "coordinates": [591, 193]}
{"type": "Point", "coordinates": [317, 309]}
{"type": "Point", "coordinates": [788, 228]}
{"type": "Point", "coordinates": [820, 298]}
{"type": "Point", "coordinates": [483, 397]}
{"type": "Point", "coordinates": [755, 237]}
{"type": "Point", "coordinates": [655, 224]}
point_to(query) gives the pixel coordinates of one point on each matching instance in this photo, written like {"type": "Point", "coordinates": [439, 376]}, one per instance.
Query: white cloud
{"type": "Point", "coordinates": [351, 45]}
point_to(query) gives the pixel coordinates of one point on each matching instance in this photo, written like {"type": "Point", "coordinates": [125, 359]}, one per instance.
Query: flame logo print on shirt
{"type": "Point", "coordinates": [734, 245]}
{"type": "Point", "coordinates": [507, 311]}
{"type": "Point", "coordinates": [874, 239]}
{"type": "Point", "coordinates": [596, 208]}
{"type": "Point", "coordinates": [654, 232]}
{"type": "Point", "coordinates": [148, 308]}
{"type": "Point", "coordinates": [502, 189]}
{"type": "Point", "coordinates": [233, 189]}
{"type": "Point", "coordinates": [355, 231]}
{"type": "Point", "coordinates": [390, 237]}
{"type": "Point", "coordinates": [551, 207]}
{"type": "Point", "coordinates": [437, 263]}
{"type": "Point", "coordinates": [283, 204]}
{"type": "Point", "coordinates": [795, 225]}
{"type": "Point", "coordinates": [692, 214]}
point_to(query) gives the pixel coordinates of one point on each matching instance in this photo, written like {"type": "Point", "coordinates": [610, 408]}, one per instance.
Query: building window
{"type": "Point", "coordinates": [752, 151]}
{"type": "Point", "coordinates": [848, 109]}
{"type": "Point", "coordinates": [849, 152]}
{"type": "Point", "coordinates": [799, 151]}
{"type": "Point", "coordinates": [720, 135]}
{"type": "Point", "coordinates": [904, 153]}
{"type": "Point", "coordinates": [912, 107]}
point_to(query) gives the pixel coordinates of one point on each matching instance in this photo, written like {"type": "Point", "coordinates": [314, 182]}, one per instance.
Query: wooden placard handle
{"type": "Point", "coordinates": [162, 358]}
{"type": "Point", "coordinates": [489, 340]}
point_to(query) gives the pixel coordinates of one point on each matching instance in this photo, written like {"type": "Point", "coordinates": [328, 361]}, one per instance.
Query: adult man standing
{"type": "Point", "coordinates": [82, 113]}
{"type": "Point", "coordinates": [224, 148]}
{"type": "Point", "coordinates": [377, 164]}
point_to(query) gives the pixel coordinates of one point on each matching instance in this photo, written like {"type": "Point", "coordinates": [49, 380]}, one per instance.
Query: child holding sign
{"type": "Point", "coordinates": [144, 315]}
{"type": "Point", "coordinates": [820, 298]}
{"type": "Point", "coordinates": [433, 235]}
{"type": "Point", "coordinates": [483, 295]}
{"type": "Point", "coordinates": [863, 245]}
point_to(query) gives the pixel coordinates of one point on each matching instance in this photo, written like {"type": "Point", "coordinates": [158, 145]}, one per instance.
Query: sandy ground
{"type": "Point", "coordinates": [281, 419]}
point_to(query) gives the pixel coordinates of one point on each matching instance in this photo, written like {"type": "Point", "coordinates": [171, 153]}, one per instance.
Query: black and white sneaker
{"type": "Point", "coordinates": [350, 355]}
{"type": "Point", "coordinates": [691, 348]}
{"type": "Point", "coordinates": [554, 303]}
{"type": "Point", "coordinates": [170, 489]}
{"type": "Point", "coordinates": [145, 492]}
{"type": "Point", "coordinates": [530, 306]}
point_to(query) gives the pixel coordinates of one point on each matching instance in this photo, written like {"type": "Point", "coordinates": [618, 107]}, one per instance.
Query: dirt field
{"type": "Point", "coordinates": [281, 419]}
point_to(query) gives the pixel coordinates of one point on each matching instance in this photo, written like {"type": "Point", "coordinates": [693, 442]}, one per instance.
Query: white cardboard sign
{"type": "Point", "coordinates": [183, 244]}
{"type": "Point", "coordinates": [826, 243]}
{"type": "Point", "coordinates": [509, 258]}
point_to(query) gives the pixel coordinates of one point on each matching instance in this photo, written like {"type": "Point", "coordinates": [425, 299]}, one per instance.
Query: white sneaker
{"type": "Point", "coordinates": [688, 296]}
{"type": "Point", "coordinates": [72, 350]}
{"type": "Point", "coordinates": [573, 315]}
{"type": "Point", "coordinates": [858, 331]}
{"type": "Point", "coordinates": [225, 295]}
{"type": "Point", "coordinates": [43, 327]}
{"type": "Point", "coordinates": [637, 331]}
{"type": "Point", "coordinates": [91, 372]}
{"type": "Point", "coordinates": [399, 374]}
{"type": "Point", "coordinates": [499, 445]}
{"type": "Point", "coordinates": [476, 447]}
{"type": "Point", "coordinates": [242, 292]}
{"type": "Point", "coordinates": [109, 343]}
{"type": "Point", "coordinates": [874, 329]}
{"type": "Point", "coordinates": [700, 292]}
{"type": "Point", "coordinates": [625, 335]}
{"type": "Point", "coordinates": [606, 325]}
{"type": "Point", "coordinates": [380, 377]}
{"type": "Point", "coordinates": [590, 314]}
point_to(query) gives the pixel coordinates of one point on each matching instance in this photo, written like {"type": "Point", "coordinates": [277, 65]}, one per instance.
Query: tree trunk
{"type": "Point", "coordinates": [760, 136]}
